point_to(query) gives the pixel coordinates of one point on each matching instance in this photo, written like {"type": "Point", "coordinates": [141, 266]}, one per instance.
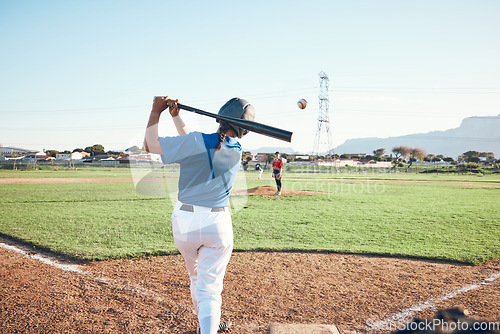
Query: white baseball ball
{"type": "Point", "coordinates": [302, 103]}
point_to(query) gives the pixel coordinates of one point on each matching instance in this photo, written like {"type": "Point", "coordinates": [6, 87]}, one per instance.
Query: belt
{"type": "Point", "coordinates": [190, 208]}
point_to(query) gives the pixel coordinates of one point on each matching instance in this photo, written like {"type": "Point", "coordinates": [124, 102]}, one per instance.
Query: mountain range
{"type": "Point", "coordinates": [480, 134]}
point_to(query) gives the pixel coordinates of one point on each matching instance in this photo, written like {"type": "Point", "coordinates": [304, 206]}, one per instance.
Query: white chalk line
{"type": "Point", "coordinates": [77, 269]}
{"type": "Point", "coordinates": [408, 313]}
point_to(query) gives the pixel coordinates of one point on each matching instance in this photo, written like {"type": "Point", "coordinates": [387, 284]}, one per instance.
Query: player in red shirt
{"type": "Point", "coordinates": [277, 171]}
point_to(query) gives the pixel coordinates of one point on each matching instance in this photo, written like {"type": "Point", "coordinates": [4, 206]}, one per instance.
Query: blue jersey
{"type": "Point", "coordinates": [207, 175]}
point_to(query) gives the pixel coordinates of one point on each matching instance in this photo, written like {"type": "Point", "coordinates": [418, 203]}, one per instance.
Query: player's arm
{"type": "Point", "coordinates": [181, 127]}
{"type": "Point", "coordinates": [151, 142]}
{"type": "Point", "coordinates": [160, 103]}
{"type": "Point", "coordinates": [281, 169]}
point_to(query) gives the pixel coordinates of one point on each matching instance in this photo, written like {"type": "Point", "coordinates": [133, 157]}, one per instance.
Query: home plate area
{"type": "Point", "coordinates": [264, 292]}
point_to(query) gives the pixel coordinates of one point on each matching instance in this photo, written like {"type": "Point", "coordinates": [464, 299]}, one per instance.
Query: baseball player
{"type": "Point", "coordinates": [259, 169]}
{"type": "Point", "coordinates": [278, 171]}
{"type": "Point", "coordinates": [201, 221]}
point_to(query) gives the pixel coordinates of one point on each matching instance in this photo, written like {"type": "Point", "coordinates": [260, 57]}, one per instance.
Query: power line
{"type": "Point", "coordinates": [279, 93]}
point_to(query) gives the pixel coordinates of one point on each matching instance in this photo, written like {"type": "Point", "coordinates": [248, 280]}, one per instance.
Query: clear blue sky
{"type": "Point", "coordinates": [78, 73]}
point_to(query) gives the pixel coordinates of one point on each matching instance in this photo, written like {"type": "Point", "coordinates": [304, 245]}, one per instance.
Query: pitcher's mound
{"type": "Point", "coordinates": [271, 191]}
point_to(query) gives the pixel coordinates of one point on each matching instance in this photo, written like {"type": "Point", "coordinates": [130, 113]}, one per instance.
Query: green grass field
{"type": "Point", "coordinates": [448, 217]}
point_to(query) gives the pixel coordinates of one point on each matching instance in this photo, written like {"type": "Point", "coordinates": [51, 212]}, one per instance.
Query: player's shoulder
{"type": "Point", "coordinates": [211, 140]}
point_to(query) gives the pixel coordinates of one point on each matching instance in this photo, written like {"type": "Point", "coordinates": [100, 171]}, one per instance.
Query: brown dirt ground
{"type": "Point", "coordinates": [151, 295]}
{"type": "Point", "coordinates": [271, 191]}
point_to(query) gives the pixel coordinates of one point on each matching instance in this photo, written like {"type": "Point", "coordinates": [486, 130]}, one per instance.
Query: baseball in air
{"type": "Point", "coordinates": [302, 103]}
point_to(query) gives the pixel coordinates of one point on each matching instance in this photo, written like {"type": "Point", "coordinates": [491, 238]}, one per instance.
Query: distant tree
{"type": "Point", "coordinates": [344, 156]}
{"type": "Point", "coordinates": [269, 158]}
{"type": "Point", "coordinates": [379, 152]}
{"type": "Point", "coordinates": [386, 158]}
{"type": "Point", "coordinates": [400, 152]}
{"type": "Point", "coordinates": [448, 160]}
{"type": "Point", "coordinates": [490, 157]}
{"type": "Point", "coordinates": [415, 154]}
{"type": "Point", "coordinates": [429, 157]}
{"type": "Point", "coordinates": [78, 150]}
{"type": "Point", "coordinates": [245, 155]}
{"type": "Point", "coordinates": [436, 159]}
{"type": "Point", "coordinates": [371, 157]}
{"type": "Point", "coordinates": [471, 156]}
{"type": "Point", "coordinates": [115, 153]}
{"type": "Point", "coordinates": [95, 149]}
{"type": "Point", "coordinates": [245, 161]}
{"type": "Point", "coordinates": [51, 153]}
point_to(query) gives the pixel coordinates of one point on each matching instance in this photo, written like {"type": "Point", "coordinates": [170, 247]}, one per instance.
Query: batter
{"type": "Point", "coordinates": [201, 221]}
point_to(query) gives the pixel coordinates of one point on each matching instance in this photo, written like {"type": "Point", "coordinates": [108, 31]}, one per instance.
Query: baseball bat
{"type": "Point", "coordinates": [260, 128]}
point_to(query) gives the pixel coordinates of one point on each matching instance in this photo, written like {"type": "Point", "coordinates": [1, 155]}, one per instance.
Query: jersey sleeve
{"type": "Point", "coordinates": [178, 148]}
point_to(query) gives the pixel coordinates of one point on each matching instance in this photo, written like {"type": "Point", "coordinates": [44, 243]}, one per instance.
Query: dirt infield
{"type": "Point", "coordinates": [271, 192]}
{"type": "Point", "coordinates": [152, 294]}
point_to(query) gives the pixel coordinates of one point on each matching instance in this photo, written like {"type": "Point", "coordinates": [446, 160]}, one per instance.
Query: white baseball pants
{"type": "Point", "coordinates": [205, 240]}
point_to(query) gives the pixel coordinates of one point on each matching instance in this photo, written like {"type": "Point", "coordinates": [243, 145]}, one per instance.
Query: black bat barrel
{"type": "Point", "coordinates": [260, 128]}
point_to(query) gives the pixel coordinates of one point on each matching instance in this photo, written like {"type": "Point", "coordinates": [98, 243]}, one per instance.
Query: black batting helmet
{"type": "Point", "coordinates": [237, 108]}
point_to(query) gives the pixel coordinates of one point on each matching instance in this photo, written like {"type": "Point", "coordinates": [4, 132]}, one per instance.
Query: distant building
{"type": "Point", "coordinates": [110, 160]}
{"type": "Point", "coordinates": [260, 157]}
{"type": "Point", "coordinates": [79, 155]}
{"type": "Point", "coordinates": [10, 152]}
{"type": "Point", "coordinates": [63, 156]}
{"type": "Point", "coordinates": [142, 158]}
{"type": "Point", "coordinates": [378, 164]}
{"type": "Point", "coordinates": [298, 156]}
{"type": "Point", "coordinates": [41, 154]}
{"type": "Point", "coordinates": [344, 162]}
{"type": "Point", "coordinates": [100, 157]}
